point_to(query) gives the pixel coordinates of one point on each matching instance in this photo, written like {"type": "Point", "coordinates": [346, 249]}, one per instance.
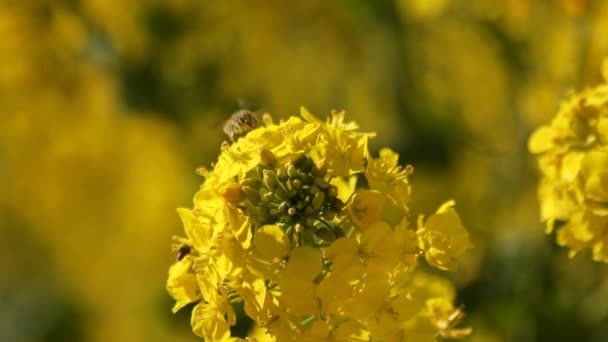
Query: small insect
{"type": "Point", "coordinates": [241, 122]}
{"type": "Point", "coordinates": [182, 252]}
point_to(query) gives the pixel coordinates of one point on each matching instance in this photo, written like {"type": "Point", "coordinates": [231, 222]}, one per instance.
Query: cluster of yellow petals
{"type": "Point", "coordinates": [355, 280]}
{"type": "Point", "coordinates": [573, 160]}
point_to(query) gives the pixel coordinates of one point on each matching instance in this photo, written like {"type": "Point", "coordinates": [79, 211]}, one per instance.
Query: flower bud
{"type": "Point", "coordinates": [261, 168]}
{"type": "Point", "coordinates": [292, 211]}
{"type": "Point", "coordinates": [280, 192]}
{"type": "Point", "coordinates": [317, 201]}
{"type": "Point", "coordinates": [299, 228]}
{"type": "Point", "coordinates": [292, 193]}
{"type": "Point", "coordinates": [320, 168]}
{"type": "Point", "coordinates": [251, 181]}
{"type": "Point", "coordinates": [267, 157]}
{"type": "Point", "coordinates": [307, 165]}
{"type": "Point", "coordinates": [232, 193]}
{"type": "Point", "coordinates": [332, 191]}
{"type": "Point", "coordinates": [306, 179]}
{"type": "Point", "coordinates": [270, 179]}
{"type": "Point", "coordinates": [282, 174]}
{"type": "Point", "coordinates": [321, 183]}
{"type": "Point", "coordinates": [292, 172]}
{"type": "Point", "coordinates": [268, 196]}
{"type": "Point", "coordinates": [252, 194]}
{"type": "Point", "coordinates": [297, 184]}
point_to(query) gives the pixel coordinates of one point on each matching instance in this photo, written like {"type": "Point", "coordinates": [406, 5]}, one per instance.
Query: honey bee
{"type": "Point", "coordinates": [241, 122]}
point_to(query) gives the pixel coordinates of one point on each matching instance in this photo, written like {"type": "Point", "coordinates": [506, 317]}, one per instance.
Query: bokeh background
{"type": "Point", "coordinates": [107, 107]}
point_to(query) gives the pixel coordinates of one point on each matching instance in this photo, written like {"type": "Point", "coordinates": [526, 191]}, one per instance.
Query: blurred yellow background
{"type": "Point", "coordinates": [107, 107]}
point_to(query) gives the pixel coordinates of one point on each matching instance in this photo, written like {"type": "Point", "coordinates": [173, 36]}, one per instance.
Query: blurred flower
{"type": "Point", "coordinates": [573, 159]}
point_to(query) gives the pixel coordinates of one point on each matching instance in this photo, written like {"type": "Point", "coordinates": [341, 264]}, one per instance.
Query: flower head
{"type": "Point", "coordinates": [283, 225]}
{"type": "Point", "coordinates": [573, 161]}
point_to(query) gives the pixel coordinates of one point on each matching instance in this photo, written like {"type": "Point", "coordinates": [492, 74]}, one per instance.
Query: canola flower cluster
{"type": "Point", "coordinates": [573, 160]}
{"type": "Point", "coordinates": [311, 234]}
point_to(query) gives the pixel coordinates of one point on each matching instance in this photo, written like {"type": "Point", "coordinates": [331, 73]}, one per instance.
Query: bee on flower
{"type": "Point", "coordinates": [311, 234]}
{"type": "Point", "coordinates": [241, 122]}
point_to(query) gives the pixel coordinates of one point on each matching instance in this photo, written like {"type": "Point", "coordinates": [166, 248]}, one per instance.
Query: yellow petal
{"type": "Point", "coordinates": [182, 284]}
{"type": "Point", "coordinates": [542, 140]}
{"type": "Point", "coordinates": [198, 234]}
{"type": "Point", "coordinates": [305, 114]}
{"type": "Point", "coordinates": [366, 208]}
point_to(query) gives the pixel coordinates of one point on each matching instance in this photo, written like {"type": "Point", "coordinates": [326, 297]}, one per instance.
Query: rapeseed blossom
{"type": "Point", "coordinates": [300, 224]}
{"type": "Point", "coordinates": [573, 160]}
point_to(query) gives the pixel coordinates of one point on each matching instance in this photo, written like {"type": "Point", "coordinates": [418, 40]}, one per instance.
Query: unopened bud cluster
{"type": "Point", "coordinates": [296, 195]}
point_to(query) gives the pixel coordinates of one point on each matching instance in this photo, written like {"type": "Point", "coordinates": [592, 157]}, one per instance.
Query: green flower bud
{"type": "Point", "coordinates": [332, 191]}
{"type": "Point", "coordinates": [282, 174]}
{"type": "Point", "coordinates": [270, 179]}
{"type": "Point", "coordinates": [251, 182]}
{"type": "Point", "coordinates": [297, 184]}
{"type": "Point", "coordinates": [329, 215]}
{"type": "Point", "coordinates": [283, 207]}
{"type": "Point", "coordinates": [292, 211]}
{"type": "Point", "coordinates": [307, 165]}
{"type": "Point", "coordinates": [252, 194]}
{"type": "Point", "coordinates": [292, 193]}
{"type": "Point", "coordinates": [292, 172]}
{"type": "Point", "coordinates": [299, 228]}
{"type": "Point", "coordinates": [260, 169]}
{"type": "Point", "coordinates": [317, 201]}
{"type": "Point", "coordinates": [268, 196]}
{"type": "Point", "coordinates": [320, 168]}
{"type": "Point", "coordinates": [321, 183]}
{"type": "Point", "coordinates": [280, 192]}
{"type": "Point", "coordinates": [267, 157]}
{"type": "Point", "coordinates": [306, 179]}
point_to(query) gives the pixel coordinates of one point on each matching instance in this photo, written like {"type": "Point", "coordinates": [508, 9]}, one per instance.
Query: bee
{"type": "Point", "coordinates": [241, 122]}
{"type": "Point", "coordinates": [182, 252]}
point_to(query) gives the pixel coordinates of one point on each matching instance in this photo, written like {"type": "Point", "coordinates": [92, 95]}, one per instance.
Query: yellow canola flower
{"type": "Point", "coordinates": [573, 160]}
{"type": "Point", "coordinates": [443, 237]}
{"type": "Point", "coordinates": [312, 235]}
